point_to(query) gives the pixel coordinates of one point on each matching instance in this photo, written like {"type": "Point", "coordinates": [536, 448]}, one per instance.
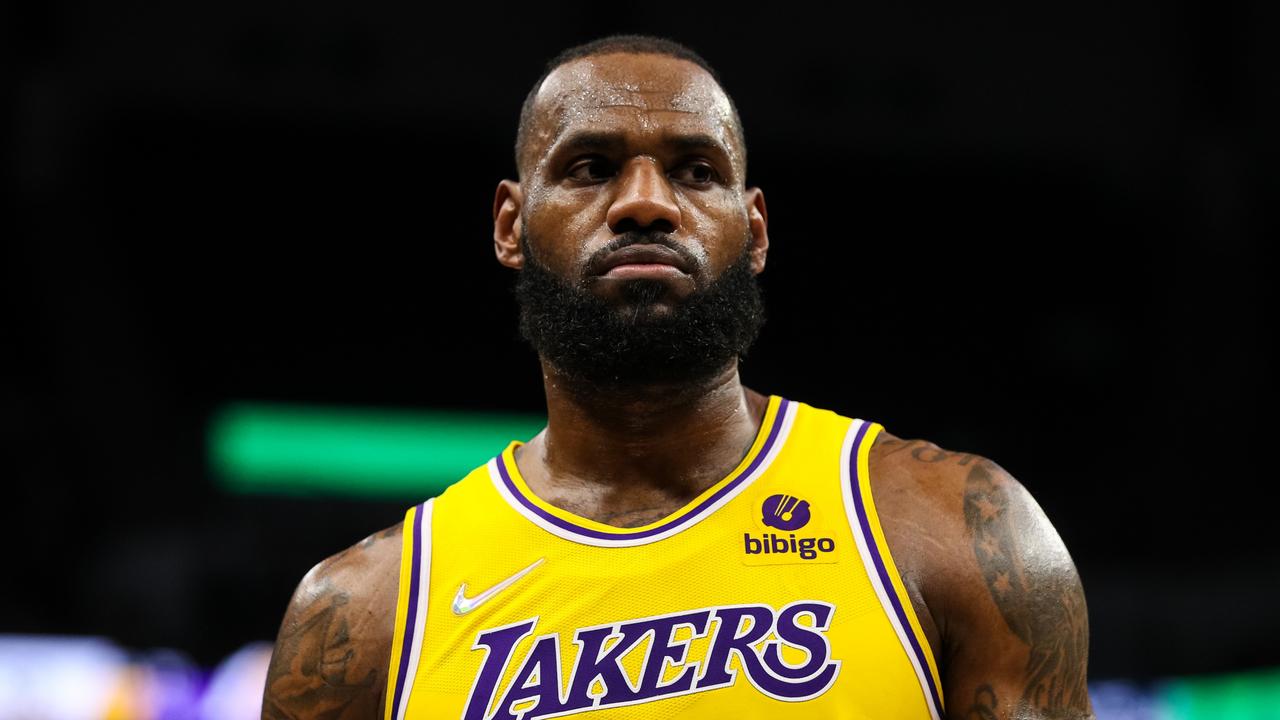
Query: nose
{"type": "Point", "coordinates": [644, 198]}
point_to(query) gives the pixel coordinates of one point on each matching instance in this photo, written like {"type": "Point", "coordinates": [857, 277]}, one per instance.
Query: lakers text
{"type": "Point", "coordinates": [598, 677]}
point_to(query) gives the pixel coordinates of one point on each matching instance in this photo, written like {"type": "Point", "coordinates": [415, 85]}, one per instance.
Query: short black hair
{"type": "Point", "coordinates": [636, 44]}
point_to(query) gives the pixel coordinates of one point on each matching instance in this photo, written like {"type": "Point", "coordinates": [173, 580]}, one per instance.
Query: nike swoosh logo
{"type": "Point", "coordinates": [463, 604]}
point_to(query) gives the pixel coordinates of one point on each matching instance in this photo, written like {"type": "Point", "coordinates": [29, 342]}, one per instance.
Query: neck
{"type": "Point", "coordinates": [618, 455]}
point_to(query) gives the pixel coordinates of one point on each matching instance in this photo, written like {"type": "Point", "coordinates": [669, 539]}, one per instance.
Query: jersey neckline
{"type": "Point", "coordinates": [770, 438]}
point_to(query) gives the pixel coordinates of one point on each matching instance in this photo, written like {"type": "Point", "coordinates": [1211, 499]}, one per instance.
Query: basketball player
{"type": "Point", "coordinates": [674, 544]}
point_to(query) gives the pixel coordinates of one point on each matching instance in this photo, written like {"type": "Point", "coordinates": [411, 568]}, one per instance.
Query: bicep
{"type": "Point", "coordinates": [331, 653]}
{"type": "Point", "coordinates": [1018, 638]}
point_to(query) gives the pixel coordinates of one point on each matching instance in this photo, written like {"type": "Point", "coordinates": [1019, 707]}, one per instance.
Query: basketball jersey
{"type": "Point", "coordinates": [770, 595]}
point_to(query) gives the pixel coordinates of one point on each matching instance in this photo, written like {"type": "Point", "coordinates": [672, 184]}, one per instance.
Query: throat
{"type": "Point", "coordinates": [634, 463]}
{"type": "Point", "coordinates": [629, 519]}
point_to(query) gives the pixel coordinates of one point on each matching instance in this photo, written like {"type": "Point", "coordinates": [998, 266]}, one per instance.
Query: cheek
{"type": "Point", "coordinates": [559, 231]}
{"type": "Point", "coordinates": [722, 229]}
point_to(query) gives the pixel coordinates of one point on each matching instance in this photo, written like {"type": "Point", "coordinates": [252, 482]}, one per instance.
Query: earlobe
{"type": "Point", "coordinates": [507, 225]}
{"type": "Point", "coordinates": [758, 221]}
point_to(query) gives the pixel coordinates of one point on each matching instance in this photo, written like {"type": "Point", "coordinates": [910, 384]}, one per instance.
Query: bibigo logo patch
{"type": "Point", "coordinates": [780, 536]}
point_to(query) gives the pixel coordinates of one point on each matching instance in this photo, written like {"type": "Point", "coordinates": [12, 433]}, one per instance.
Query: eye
{"type": "Point", "coordinates": [591, 169]}
{"type": "Point", "coordinates": [698, 173]}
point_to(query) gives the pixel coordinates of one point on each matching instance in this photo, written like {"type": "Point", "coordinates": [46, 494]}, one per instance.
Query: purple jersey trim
{"type": "Point", "coordinates": [406, 643]}
{"type": "Point", "coordinates": [728, 487]}
{"type": "Point", "coordinates": [889, 589]}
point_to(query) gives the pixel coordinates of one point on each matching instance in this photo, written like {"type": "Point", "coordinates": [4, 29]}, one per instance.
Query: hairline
{"type": "Point", "coordinates": [526, 109]}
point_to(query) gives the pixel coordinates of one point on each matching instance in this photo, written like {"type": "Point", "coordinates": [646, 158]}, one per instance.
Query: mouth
{"type": "Point", "coordinates": [642, 261]}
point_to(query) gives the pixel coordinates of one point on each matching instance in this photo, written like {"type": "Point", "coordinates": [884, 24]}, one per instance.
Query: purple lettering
{"type": "Point", "coordinates": [498, 644]}
{"type": "Point", "coordinates": [538, 679]}
{"type": "Point", "coordinates": [817, 673]}
{"type": "Point", "coordinates": [732, 637]}
{"type": "Point", "coordinates": [599, 680]}
{"type": "Point", "coordinates": [661, 650]}
{"type": "Point", "coordinates": [593, 664]}
{"type": "Point", "coordinates": [811, 640]}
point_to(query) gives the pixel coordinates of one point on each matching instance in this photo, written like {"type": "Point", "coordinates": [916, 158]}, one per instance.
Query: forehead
{"type": "Point", "coordinates": [631, 93]}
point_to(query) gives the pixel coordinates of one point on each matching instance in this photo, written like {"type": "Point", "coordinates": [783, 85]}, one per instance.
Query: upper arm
{"type": "Point", "coordinates": [331, 655]}
{"type": "Point", "coordinates": [1016, 640]}
{"type": "Point", "coordinates": [996, 592]}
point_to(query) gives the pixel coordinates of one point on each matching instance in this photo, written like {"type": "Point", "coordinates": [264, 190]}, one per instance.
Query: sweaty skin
{"type": "Point", "coordinates": [626, 141]}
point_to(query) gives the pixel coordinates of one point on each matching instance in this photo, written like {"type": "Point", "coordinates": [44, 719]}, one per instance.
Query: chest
{"type": "Point", "coordinates": [762, 607]}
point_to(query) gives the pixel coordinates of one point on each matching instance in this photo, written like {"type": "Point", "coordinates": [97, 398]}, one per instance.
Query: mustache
{"type": "Point", "coordinates": [642, 237]}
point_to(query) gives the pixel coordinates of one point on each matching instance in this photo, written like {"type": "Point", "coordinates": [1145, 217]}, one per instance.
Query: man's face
{"type": "Point", "coordinates": [632, 198]}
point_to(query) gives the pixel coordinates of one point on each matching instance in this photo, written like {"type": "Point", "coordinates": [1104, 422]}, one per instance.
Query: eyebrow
{"type": "Point", "coordinates": [606, 141]}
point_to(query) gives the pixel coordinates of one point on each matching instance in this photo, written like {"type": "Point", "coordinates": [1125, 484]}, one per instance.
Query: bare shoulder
{"type": "Point", "coordinates": [993, 583]}
{"type": "Point", "coordinates": [331, 655]}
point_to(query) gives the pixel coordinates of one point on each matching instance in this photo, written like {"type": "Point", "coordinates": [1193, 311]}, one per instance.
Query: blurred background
{"type": "Point", "coordinates": [252, 311]}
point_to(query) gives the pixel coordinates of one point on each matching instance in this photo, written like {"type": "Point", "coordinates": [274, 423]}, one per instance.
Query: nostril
{"type": "Point", "coordinates": [662, 225]}
{"type": "Point", "coordinates": [630, 224]}
{"type": "Point", "coordinates": [626, 225]}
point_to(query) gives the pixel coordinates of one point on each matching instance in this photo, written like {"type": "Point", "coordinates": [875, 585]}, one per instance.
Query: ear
{"type": "Point", "coordinates": [507, 227]}
{"type": "Point", "coordinates": [758, 220]}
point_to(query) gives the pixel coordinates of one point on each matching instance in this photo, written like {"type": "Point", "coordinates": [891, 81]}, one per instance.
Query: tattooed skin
{"type": "Point", "coordinates": [310, 667]}
{"type": "Point", "coordinates": [1046, 611]}
{"type": "Point", "coordinates": [927, 452]}
{"type": "Point", "coordinates": [984, 704]}
{"type": "Point", "coordinates": [319, 670]}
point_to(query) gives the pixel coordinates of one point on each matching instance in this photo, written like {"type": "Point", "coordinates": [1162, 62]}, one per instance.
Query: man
{"type": "Point", "coordinates": [673, 544]}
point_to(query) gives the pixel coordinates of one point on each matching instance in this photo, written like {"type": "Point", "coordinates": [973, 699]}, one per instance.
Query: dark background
{"type": "Point", "coordinates": [1042, 234]}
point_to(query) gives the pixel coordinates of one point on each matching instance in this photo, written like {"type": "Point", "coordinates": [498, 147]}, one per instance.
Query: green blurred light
{"type": "Point", "coordinates": [1239, 696]}
{"type": "Point", "coordinates": [293, 449]}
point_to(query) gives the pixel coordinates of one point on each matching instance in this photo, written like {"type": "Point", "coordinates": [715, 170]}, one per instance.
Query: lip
{"type": "Point", "coordinates": [642, 254]}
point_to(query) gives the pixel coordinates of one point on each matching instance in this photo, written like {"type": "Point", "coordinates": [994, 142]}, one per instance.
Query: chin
{"type": "Point", "coordinates": [633, 314]}
{"type": "Point", "coordinates": [641, 293]}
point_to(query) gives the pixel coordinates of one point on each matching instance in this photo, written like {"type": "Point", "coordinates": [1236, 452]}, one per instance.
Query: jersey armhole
{"type": "Point", "coordinates": [411, 608]}
{"type": "Point", "coordinates": [864, 521]}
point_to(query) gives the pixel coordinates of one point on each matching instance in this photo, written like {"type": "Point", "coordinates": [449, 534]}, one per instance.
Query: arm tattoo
{"type": "Point", "coordinates": [310, 674]}
{"type": "Point", "coordinates": [927, 452]}
{"type": "Point", "coordinates": [984, 704]}
{"type": "Point", "coordinates": [1050, 618]}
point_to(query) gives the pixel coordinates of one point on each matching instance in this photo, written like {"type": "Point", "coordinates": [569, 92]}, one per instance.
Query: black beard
{"type": "Point", "coordinates": [615, 348]}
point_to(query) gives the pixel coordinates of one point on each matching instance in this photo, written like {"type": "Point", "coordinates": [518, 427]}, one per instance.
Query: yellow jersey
{"type": "Point", "coordinates": [770, 595]}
